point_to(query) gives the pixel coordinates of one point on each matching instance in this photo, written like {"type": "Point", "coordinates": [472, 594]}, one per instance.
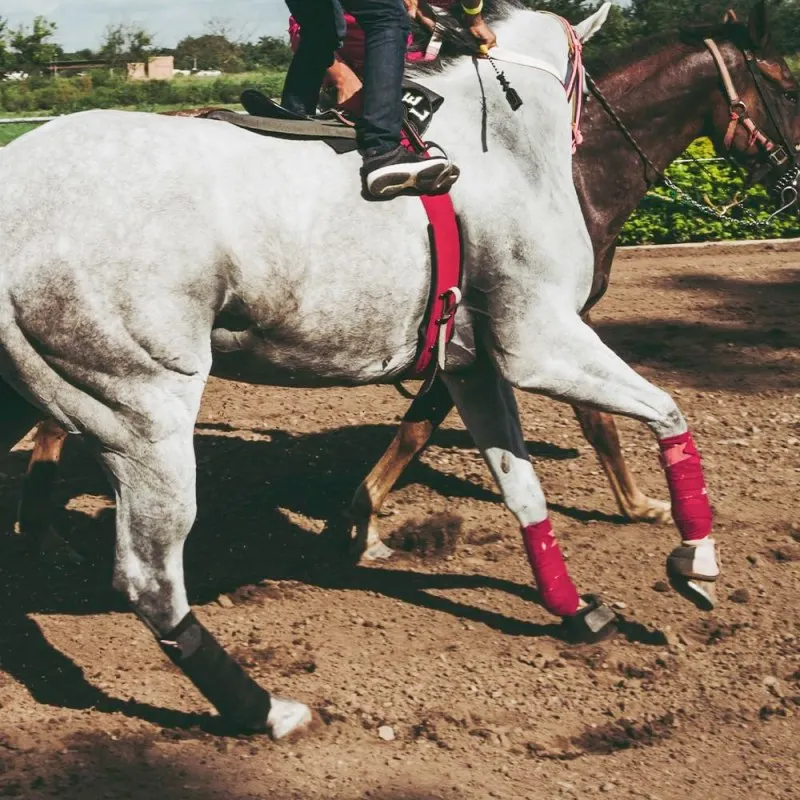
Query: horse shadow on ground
{"type": "Point", "coordinates": [94, 764]}
{"type": "Point", "coordinates": [751, 343]}
{"type": "Point", "coordinates": [242, 537]}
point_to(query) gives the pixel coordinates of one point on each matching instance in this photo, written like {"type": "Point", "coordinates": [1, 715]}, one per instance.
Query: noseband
{"type": "Point", "coordinates": [787, 186]}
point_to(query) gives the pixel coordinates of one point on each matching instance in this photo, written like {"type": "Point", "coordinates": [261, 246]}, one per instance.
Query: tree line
{"type": "Point", "coordinates": [33, 48]}
{"type": "Point", "coordinates": [640, 18]}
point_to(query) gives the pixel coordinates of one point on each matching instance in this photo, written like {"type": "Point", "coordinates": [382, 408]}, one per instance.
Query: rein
{"type": "Point", "coordinates": [786, 186]}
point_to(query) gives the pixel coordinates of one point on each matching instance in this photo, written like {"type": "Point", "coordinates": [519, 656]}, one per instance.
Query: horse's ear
{"type": "Point", "coordinates": [592, 23]}
{"type": "Point", "coordinates": [730, 16]}
{"type": "Point", "coordinates": [758, 25]}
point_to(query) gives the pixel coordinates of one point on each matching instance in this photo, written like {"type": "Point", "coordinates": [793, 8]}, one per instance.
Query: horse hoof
{"type": "Point", "coordinates": [692, 569]}
{"type": "Point", "coordinates": [377, 551]}
{"type": "Point", "coordinates": [287, 717]}
{"type": "Point", "coordinates": [702, 594]}
{"type": "Point", "coordinates": [55, 551]}
{"type": "Point", "coordinates": [656, 512]}
{"type": "Point", "coordinates": [593, 623]}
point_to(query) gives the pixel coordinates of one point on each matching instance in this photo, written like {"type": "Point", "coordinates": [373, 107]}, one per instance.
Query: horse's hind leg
{"type": "Point", "coordinates": [489, 410]}
{"type": "Point", "coordinates": [570, 362]}
{"type": "Point", "coordinates": [600, 431]}
{"type": "Point", "coordinates": [17, 417]}
{"type": "Point", "coordinates": [154, 483]}
{"type": "Point", "coordinates": [34, 518]}
{"type": "Point", "coordinates": [425, 415]}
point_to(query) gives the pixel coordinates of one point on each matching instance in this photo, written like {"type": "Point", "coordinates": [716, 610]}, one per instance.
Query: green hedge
{"type": "Point", "coordinates": [100, 90]}
{"type": "Point", "coordinates": [661, 220]}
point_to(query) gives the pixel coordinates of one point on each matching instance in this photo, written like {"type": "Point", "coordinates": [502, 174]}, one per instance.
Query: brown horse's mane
{"type": "Point", "coordinates": [497, 10]}
{"type": "Point", "coordinates": [733, 32]}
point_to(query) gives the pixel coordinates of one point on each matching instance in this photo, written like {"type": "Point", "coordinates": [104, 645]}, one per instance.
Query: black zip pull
{"type": "Point", "coordinates": [512, 97]}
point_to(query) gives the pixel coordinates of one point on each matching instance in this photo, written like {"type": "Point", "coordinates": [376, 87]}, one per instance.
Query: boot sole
{"type": "Point", "coordinates": [432, 179]}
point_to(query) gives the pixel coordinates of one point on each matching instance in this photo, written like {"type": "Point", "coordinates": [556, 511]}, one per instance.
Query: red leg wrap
{"type": "Point", "coordinates": [558, 592]}
{"type": "Point", "coordinates": [687, 486]}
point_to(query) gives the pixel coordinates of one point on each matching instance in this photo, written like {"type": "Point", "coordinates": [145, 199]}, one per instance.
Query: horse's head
{"type": "Point", "coordinates": [755, 116]}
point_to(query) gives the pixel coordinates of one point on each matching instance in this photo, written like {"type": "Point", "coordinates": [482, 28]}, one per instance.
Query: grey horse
{"type": "Point", "coordinates": [127, 236]}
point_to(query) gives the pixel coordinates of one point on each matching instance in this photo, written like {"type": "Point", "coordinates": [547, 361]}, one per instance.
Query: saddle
{"type": "Point", "coordinates": [336, 129]}
{"type": "Point", "coordinates": [268, 118]}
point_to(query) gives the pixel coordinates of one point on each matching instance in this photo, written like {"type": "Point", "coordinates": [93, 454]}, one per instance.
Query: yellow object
{"type": "Point", "coordinates": [473, 12]}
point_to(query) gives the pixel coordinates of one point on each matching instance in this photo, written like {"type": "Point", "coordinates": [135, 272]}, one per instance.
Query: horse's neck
{"type": "Point", "coordinates": [664, 106]}
{"type": "Point", "coordinates": [524, 32]}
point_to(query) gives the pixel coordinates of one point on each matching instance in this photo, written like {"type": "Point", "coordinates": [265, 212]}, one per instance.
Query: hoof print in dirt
{"type": "Point", "coordinates": [592, 624]}
{"type": "Point", "coordinates": [438, 536]}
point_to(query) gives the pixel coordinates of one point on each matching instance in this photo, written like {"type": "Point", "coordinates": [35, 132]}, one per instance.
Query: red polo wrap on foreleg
{"type": "Point", "coordinates": [556, 589]}
{"type": "Point", "coordinates": [687, 486]}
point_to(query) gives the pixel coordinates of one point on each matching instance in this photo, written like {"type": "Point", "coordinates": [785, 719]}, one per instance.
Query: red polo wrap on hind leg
{"type": "Point", "coordinates": [687, 486]}
{"type": "Point", "coordinates": [556, 589]}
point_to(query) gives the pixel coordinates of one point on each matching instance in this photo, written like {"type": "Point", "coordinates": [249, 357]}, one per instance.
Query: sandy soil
{"type": "Point", "coordinates": [445, 645]}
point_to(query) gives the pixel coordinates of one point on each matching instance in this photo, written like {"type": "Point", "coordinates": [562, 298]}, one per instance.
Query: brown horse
{"type": "Point", "coordinates": [667, 93]}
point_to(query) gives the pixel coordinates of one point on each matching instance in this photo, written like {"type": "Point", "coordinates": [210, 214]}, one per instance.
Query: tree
{"type": "Point", "coordinates": [31, 47]}
{"type": "Point", "coordinates": [5, 56]}
{"type": "Point", "coordinates": [210, 51]}
{"type": "Point", "coordinates": [268, 51]}
{"type": "Point", "coordinates": [125, 42]}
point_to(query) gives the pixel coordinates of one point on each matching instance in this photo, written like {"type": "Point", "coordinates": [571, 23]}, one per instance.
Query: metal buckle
{"type": "Point", "coordinates": [779, 156]}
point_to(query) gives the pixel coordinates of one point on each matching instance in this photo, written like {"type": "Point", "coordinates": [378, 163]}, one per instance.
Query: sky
{"type": "Point", "coordinates": [81, 22]}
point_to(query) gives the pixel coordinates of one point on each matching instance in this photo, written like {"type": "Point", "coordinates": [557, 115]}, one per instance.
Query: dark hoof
{"type": "Point", "coordinates": [702, 594]}
{"type": "Point", "coordinates": [590, 625]}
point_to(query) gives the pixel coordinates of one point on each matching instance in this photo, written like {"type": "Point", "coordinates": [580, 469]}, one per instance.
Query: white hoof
{"type": "Point", "coordinates": [655, 511]}
{"type": "Point", "coordinates": [377, 551]}
{"type": "Point", "coordinates": [692, 569]}
{"type": "Point", "coordinates": [286, 717]}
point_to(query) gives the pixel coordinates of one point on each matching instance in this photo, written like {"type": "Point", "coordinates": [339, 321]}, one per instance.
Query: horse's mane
{"type": "Point", "coordinates": [618, 60]}
{"type": "Point", "coordinates": [606, 60]}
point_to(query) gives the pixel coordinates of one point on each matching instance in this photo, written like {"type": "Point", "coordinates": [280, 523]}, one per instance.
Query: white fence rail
{"type": "Point", "coordinates": [25, 120]}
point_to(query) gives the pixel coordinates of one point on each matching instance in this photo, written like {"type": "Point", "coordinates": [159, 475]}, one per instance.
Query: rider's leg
{"type": "Point", "coordinates": [322, 29]}
{"type": "Point", "coordinates": [388, 167]}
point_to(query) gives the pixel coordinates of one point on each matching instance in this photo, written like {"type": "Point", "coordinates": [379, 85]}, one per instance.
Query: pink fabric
{"type": "Point", "coordinates": [556, 589]}
{"type": "Point", "coordinates": [687, 486]}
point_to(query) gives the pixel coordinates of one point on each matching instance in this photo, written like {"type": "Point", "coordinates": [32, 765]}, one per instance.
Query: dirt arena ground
{"type": "Point", "coordinates": [436, 675]}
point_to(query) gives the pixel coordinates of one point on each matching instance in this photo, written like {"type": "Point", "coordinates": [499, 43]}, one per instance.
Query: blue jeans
{"type": "Point", "coordinates": [386, 27]}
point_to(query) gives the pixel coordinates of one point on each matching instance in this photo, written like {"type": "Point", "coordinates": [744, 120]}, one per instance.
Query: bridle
{"type": "Point", "coordinates": [779, 155]}
{"type": "Point", "coordinates": [787, 185]}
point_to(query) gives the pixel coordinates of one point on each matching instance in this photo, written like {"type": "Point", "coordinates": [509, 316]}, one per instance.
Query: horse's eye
{"type": "Point", "coordinates": [792, 96]}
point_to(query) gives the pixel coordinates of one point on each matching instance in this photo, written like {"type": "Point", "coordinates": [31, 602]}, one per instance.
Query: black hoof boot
{"type": "Point", "coordinates": [591, 624]}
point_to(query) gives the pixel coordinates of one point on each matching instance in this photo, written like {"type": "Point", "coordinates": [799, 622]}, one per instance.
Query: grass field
{"type": "Point", "coordinates": [11, 131]}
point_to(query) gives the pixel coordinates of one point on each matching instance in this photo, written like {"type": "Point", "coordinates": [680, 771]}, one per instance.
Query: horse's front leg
{"type": "Point", "coordinates": [569, 362]}
{"type": "Point", "coordinates": [425, 415]}
{"type": "Point", "coordinates": [489, 410]}
{"type": "Point", "coordinates": [600, 431]}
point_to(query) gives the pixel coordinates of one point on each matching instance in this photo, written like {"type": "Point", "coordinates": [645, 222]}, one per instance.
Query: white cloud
{"type": "Point", "coordinates": [81, 22]}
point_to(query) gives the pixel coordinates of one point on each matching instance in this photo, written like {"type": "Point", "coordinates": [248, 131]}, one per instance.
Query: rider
{"type": "Point", "coordinates": [388, 167]}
